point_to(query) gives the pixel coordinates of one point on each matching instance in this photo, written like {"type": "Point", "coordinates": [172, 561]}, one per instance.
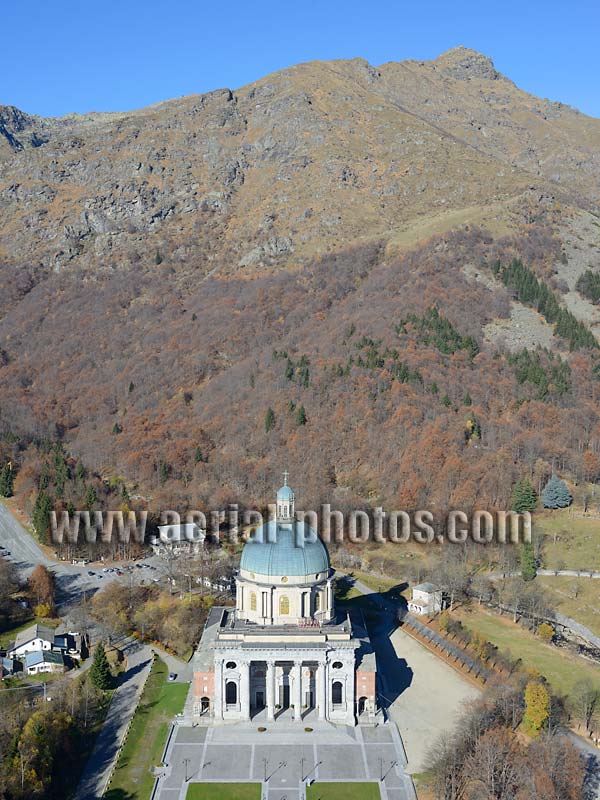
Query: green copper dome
{"type": "Point", "coordinates": [290, 550]}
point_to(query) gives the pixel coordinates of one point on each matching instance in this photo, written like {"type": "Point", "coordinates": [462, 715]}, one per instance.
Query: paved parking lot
{"type": "Point", "coordinates": [241, 753]}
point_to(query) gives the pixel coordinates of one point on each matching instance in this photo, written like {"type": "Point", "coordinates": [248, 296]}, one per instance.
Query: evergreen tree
{"type": "Point", "coordinates": [164, 472]}
{"type": "Point", "coordinates": [556, 493]}
{"type": "Point", "coordinates": [43, 507]}
{"type": "Point", "coordinates": [524, 496]}
{"type": "Point", "coordinates": [6, 481]}
{"type": "Point", "coordinates": [528, 568]}
{"type": "Point", "coordinates": [467, 401]}
{"type": "Point", "coordinates": [199, 457]}
{"type": "Point", "coordinates": [100, 669]}
{"type": "Point", "coordinates": [90, 497]}
{"type": "Point", "coordinates": [301, 416]}
{"type": "Point", "coordinates": [269, 419]}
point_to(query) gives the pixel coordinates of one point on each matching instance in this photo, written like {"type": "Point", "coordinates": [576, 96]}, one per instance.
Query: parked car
{"type": "Point", "coordinates": [90, 573]}
{"type": "Point", "coordinates": [172, 676]}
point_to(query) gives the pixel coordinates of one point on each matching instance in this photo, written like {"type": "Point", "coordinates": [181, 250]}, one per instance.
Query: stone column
{"type": "Point", "coordinates": [219, 699]}
{"type": "Point", "coordinates": [270, 690]}
{"type": "Point", "coordinates": [350, 684]}
{"type": "Point", "coordinates": [297, 695]}
{"type": "Point", "coordinates": [321, 690]}
{"type": "Point", "coordinates": [245, 690]}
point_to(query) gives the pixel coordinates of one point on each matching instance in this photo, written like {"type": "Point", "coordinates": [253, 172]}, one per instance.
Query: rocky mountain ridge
{"type": "Point", "coordinates": [173, 248]}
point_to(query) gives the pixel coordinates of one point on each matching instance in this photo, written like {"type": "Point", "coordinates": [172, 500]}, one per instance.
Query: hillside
{"type": "Point", "coordinates": [151, 262]}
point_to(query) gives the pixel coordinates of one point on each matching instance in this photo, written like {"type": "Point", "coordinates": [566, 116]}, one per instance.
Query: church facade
{"type": "Point", "coordinates": [284, 651]}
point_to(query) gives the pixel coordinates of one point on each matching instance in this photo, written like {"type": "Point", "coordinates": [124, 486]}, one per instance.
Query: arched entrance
{"type": "Point", "coordinates": [362, 705]}
{"type": "Point", "coordinates": [204, 705]}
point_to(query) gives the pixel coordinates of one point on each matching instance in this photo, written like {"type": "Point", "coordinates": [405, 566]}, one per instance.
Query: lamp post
{"type": "Point", "coordinates": [186, 761]}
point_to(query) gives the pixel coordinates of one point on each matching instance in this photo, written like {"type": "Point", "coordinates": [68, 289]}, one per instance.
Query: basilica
{"type": "Point", "coordinates": [284, 651]}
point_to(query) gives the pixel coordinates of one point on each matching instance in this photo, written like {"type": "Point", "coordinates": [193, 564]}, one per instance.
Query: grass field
{"type": "Point", "coordinates": [343, 791]}
{"type": "Point", "coordinates": [223, 791]}
{"type": "Point", "coordinates": [578, 598]}
{"type": "Point", "coordinates": [147, 736]}
{"type": "Point", "coordinates": [562, 669]}
{"type": "Point", "coordinates": [569, 542]}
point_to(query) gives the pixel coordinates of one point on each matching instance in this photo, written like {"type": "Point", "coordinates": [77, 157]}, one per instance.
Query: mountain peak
{"type": "Point", "coordinates": [463, 63]}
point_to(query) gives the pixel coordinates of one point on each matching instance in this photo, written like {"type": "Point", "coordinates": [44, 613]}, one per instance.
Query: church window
{"type": "Point", "coordinates": [337, 665]}
{"type": "Point", "coordinates": [284, 605]}
{"type": "Point", "coordinates": [230, 665]}
{"type": "Point", "coordinates": [230, 692]}
{"type": "Point", "coordinates": [337, 693]}
{"type": "Point", "coordinates": [252, 601]}
{"type": "Point", "coordinates": [317, 602]}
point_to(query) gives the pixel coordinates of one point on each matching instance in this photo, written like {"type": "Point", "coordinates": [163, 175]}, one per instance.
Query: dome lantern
{"type": "Point", "coordinates": [285, 501]}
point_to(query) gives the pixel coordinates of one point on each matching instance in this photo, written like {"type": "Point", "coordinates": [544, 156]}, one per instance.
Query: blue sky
{"type": "Point", "coordinates": [102, 55]}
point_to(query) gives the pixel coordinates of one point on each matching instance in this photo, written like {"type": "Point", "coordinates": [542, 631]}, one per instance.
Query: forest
{"type": "Point", "coordinates": [368, 376]}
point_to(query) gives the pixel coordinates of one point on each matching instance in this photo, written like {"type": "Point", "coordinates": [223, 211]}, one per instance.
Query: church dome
{"type": "Point", "coordinates": [292, 551]}
{"type": "Point", "coordinates": [285, 493]}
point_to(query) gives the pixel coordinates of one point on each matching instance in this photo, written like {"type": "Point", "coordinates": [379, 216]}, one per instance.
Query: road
{"type": "Point", "coordinates": [71, 580]}
{"type": "Point", "coordinates": [99, 767]}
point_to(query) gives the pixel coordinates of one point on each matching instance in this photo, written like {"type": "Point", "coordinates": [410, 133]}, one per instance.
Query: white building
{"type": "Point", "coordinates": [185, 537]}
{"type": "Point", "coordinates": [426, 599]}
{"type": "Point", "coordinates": [283, 651]}
{"type": "Point", "coordinates": [44, 661]}
{"type": "Point", "coordinates": [32, 639]}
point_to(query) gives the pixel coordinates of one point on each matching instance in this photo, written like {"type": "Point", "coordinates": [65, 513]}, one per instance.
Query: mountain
{"type": "Point", "coordinates": [152, 261]}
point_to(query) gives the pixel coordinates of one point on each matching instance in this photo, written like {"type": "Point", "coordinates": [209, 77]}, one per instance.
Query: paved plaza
{"type": "Point", "coordinates": [281, 757]}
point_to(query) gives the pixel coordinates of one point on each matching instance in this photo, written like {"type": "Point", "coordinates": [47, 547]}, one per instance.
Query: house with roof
{"type": "Point", "coordinates": [44, 661]}
{"type": "Point", "coordinates": [36, 637]}
{"type": "Point", "coordinates": [426, 599]}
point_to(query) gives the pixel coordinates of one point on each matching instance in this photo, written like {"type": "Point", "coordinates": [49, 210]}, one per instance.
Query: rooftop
{"type": "Point", "coordinates": [34, 632]}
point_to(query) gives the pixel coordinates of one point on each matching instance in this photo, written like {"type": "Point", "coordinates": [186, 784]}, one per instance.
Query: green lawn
{"type": "Point", "coordinates": [223, 791]}
{"type": "Point", "coordinates": [560, 668]}
{"type": "Point", "coordinates": [569, 542]}
{"type": "Point", "coordinates": [147, 736]}
{"type": "Point", "coordinates": [578, 598]}
{"type": "Point", "coordinates": [343, 791]}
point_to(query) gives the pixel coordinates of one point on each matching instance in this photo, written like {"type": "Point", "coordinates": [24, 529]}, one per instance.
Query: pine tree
{"type": "Point", "coordinates": [6, 481]}
{"type": "Point", "coordinates": [100, 669]}
{"type": "Point", "coordinates": [301, 416]}
{"type": "Point", "coordinates": [43, 507]}
{"type": "Point", "coordinates": [269, 419]}
{"type": "Point", "coordinates": [524, 496]}
{"type": "Point", "coordinates": [556, 493]}
{"type": "Point", "coordinates": [528, 568]}
{"type": "Point", "coordinates": [90, 497]}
